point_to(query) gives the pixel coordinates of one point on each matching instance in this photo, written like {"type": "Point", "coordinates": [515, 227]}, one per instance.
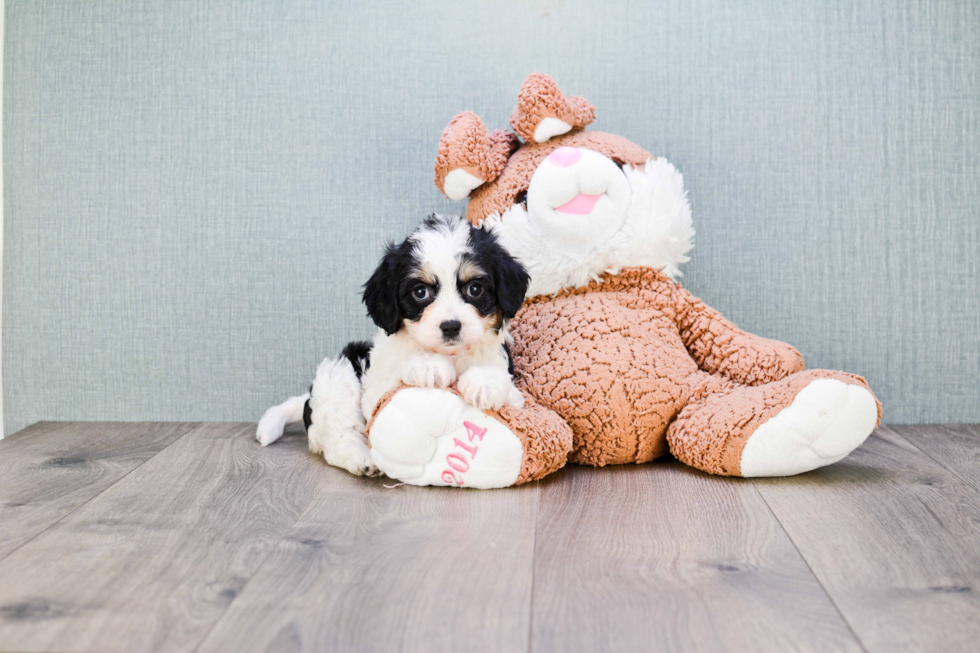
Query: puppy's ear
{"type": "Point", "coordinates": [511, 280]}
{"type": "Point", "coordinates": [381, 293]}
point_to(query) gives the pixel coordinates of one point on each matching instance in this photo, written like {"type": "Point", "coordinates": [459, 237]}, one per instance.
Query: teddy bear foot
{"type": "Point", "coordinates": [827, 420]}
{"type": "Point", "coordinates": [427, 436]}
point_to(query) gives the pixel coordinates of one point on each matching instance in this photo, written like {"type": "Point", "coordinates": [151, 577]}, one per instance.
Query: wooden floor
{"type": "Point", "coordinates": [191, 537]}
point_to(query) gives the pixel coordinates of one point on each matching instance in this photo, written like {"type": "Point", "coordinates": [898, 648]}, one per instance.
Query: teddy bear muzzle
{"type": "Point", "coordinates": [578, 197]}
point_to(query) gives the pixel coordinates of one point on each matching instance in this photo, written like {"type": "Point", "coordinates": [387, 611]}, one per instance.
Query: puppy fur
{"type": "Point", "coordinates": [441, 300]}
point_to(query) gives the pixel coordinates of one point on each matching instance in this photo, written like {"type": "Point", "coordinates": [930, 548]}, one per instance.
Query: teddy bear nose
{"type": "Point", "coordinates": [565, 156]}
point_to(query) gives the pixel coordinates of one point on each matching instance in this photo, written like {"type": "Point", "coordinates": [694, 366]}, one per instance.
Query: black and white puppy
{"type": "Point", "coordinates": [441, 301]}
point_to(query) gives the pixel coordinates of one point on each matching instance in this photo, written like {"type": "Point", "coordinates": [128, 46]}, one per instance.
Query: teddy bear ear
{"type": "Point", "coordinates": [543, 111]}
{"type": "Point", "coordinates": [469, 156]}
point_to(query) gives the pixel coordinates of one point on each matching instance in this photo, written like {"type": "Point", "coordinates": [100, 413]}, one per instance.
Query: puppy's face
{"type": "Point", "coordinates": [447, 285]}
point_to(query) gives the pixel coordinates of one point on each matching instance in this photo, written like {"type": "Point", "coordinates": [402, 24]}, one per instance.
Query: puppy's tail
{"type": "Point", "coordinates": [275, 419]}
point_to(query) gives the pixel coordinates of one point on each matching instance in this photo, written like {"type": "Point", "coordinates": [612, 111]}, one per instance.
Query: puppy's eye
{"type": "Point", "coordinates": [420, 293]}
{"type": "Point", "coordinates": [474, 289]}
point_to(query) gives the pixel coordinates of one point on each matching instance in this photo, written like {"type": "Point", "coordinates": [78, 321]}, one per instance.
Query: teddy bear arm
{"type": "Point", "coordinates": [546, 438]}
{"type": "Point", "coordinates": [431, 436]}
{"type": "Point", "coordinates": [720, 347]}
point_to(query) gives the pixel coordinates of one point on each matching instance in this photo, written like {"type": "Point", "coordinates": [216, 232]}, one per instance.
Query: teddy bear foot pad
{"type": "Point", "coordinates": [826, 421]}
{"type": "Point", "coordinates": [432, 437]}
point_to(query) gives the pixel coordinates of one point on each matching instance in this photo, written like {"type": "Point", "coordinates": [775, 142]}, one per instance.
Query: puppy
{"type": "Point", "coordinates": [441, 301]}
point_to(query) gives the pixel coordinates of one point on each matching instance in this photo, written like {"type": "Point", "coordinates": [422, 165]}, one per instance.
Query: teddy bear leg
{"type": "Point", "coordinates": [425, 436]}
{"type": "Point", "coordinates": [802, 422]}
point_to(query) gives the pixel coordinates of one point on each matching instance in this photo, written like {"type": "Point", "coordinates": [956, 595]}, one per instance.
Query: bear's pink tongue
{"type": "Point", "coordinates": [579, 205]}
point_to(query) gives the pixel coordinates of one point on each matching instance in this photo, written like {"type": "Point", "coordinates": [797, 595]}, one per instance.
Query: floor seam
{"type": "Point", "coordinates": [191, 426]}
{"type": "Point", "coordinates": [925, 453]}
{"type": "Point", "coordinates": [534, 565]}
{"type": "Point", "coordinates": [265, 560]}
{"type": "Point", "coordinates": [812, 572]}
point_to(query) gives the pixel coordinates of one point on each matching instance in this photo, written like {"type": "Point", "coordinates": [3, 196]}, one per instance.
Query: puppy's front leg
{"type": "Point", "coordinates": [489, 388]}
{"type": "Point", "coordinates": [428, 371]}
{"type": "Point", "coordinates": [347, 450]}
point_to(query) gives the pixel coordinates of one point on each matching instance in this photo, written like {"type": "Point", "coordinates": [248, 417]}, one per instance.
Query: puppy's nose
{"type": "Point", "coordinates": [450, 329]}
{"type": "Point", "coordinates": [565, 156]}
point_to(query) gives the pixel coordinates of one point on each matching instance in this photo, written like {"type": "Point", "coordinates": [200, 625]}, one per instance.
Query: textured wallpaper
{"type": "Point", "coordinates": [195, 191]}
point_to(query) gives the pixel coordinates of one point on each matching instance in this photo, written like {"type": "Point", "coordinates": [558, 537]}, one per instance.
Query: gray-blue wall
{"type": "Point", "coordinates": [195, 191]}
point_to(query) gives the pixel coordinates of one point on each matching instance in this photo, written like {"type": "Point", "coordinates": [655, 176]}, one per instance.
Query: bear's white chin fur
{"type": "Point", "coordinates": [657, 234]}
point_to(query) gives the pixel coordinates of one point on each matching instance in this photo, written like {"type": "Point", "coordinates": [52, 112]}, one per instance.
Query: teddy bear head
{"type": "Point", "coordinates": [594, 200]}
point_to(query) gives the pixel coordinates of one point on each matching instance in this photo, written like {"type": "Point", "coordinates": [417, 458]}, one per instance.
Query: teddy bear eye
{"type": "Point", "coordinates": [521, 198]}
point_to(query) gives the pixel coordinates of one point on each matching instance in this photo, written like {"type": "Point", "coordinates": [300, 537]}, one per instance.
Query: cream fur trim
{"type": "Point", "coordinates": [657, 233]}
{"type": "Point", "coordinates": [549, 128]}
{"type": "Point", "coordinates": [459, 184]}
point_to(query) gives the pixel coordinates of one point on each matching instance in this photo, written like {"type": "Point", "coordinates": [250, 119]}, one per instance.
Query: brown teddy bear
{"type": "Point", "coordinates": [617, 362]}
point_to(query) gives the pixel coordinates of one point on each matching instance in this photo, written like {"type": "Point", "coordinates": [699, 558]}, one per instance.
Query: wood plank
{"type": "Point", "coordinates": [663, 557]}
{"type": "Point", "coordinates": [407, 569]}
{"type": "Point", "coordinates": [895, 540]}
{"type": "Point", "coordinates": [51, 468]}
{"type": "Point", "coordinates": [954, 446]}
{"type": "Point", "coordinates": [152, 562]}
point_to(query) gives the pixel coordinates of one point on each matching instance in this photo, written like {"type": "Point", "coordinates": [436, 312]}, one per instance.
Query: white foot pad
{"type": "Point", "coordinates": [428, 436]}
{"type": "Point", "coordinates": [827, 420]}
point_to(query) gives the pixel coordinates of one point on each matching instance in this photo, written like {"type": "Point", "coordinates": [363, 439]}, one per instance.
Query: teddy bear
{"type": "Point", "coordinates": [616, 361]}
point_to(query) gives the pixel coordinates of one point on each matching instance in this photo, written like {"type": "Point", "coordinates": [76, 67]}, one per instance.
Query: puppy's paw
{"type": "Point", "coordinates": [267, 434]}
{"type": "Point", "coordinates": [431, 371]}
{"type": "Point", "coordinates": [352, 455]}
{"type": "Point", "coordinates": [488, 388]}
